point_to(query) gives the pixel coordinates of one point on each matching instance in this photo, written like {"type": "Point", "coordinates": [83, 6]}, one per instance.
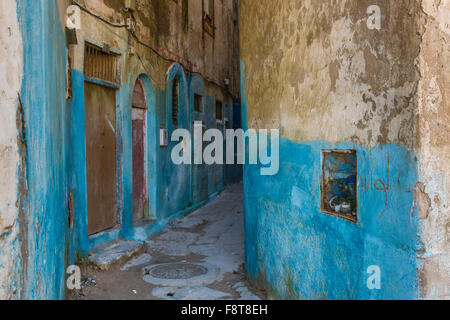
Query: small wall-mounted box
{"type": "Point", "coordinates": [163, 138]}
{"type": "Point", "coordinates": [130, 5]}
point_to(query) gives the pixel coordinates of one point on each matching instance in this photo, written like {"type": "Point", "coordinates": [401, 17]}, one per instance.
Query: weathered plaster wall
{"type": "Point", "coordinates": [11, 73]}
{"type": "Point", "coordinates": [34, 220]}
{"type": "Point", "coordinates": [45, 125]}
{"type": "Point", "coordinates": [179, 35]}
{"type": "Point", "coordinates": [356, 84]}
{"type": "Point", "coordinates": [171, 187]}
{"type": "Point", "coordinates": [434, 150]}
{"type": "Point", "coordinates": [43, 148]}
{"type": "Point", "coordinates": [315, 71]}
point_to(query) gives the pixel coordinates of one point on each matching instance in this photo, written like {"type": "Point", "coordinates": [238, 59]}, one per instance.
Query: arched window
{"type": "Point", "coordinates": [175, 95]}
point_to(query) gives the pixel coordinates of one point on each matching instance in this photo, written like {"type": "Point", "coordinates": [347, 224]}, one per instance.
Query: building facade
{"type": "Point", "coordinates": [91, 89]}
{"type": "Point", "coordinates": [359, 92]}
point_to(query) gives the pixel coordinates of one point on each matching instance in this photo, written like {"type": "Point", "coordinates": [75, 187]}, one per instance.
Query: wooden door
{"type": "Point", "coordinates": [100, 114]}
{"type": "Point", "coordinates": [139, 180]}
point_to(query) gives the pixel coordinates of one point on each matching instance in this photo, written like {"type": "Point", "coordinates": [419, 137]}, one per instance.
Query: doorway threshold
{"type": "Point", "coordinates": [104, 238]}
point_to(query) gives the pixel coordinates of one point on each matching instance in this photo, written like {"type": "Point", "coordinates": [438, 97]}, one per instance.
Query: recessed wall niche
{"type": "Point", "coordinates": [339, 184]}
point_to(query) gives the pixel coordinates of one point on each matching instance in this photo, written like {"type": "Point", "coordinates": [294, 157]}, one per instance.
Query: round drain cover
{"type": "Point", "coordinates": [177, 271]}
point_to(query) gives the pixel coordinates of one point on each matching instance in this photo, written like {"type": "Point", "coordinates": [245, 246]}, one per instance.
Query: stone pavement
{"type": "Point", "coordinates": [198, 258]}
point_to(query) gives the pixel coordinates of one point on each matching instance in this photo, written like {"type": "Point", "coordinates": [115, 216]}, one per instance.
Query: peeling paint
{"type": "Point", "coordinates": [433, 118]}
{"type": "Point", "coordinates": [315, 71]}
{"type": "Point", "coordinates": [43, 201]}
{"type": "Point", "coordinates": [11, 73]}
{"type": "Point", "coordinates": [423, 201]}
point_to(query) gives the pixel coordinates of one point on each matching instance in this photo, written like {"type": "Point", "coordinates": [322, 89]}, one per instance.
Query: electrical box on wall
{"type": "Point", "coordinates": [163, 137]}
{"type": "Point", "coordinates": [130, 5]}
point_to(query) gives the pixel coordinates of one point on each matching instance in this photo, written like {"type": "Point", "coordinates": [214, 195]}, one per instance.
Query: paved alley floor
{"type": "Point", "coordinates": [198, 258]}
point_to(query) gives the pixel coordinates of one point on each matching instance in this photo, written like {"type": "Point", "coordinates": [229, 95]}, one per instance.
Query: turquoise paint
{"type": "Point", "coordinates": [78, 234]}
{"type": "Point", "coordinates": [56, 156]}
{"type": "Point", "coordinates": [297, 252]}
{"type": "Point", "coordinates": [125, 156]}
{"type": "Point", "coordinates": [152, 165]}
{"type": "Point", "coordinates": [152, 147]}
{"type": "Point", "coordinates": [176, 189]}
{"type": "Point", "coordinates": [124, 150]}
{"type": "Point", "coordinates": [161, 173]}
{"type": "Point", "coordinates": [46, 136]}
{"type": "Point", "coordinates": [215, 172]}
{"type": "Point", "coordinates": [232, 172]}
{"type": "Point", "coordinates": [80, 243]}
{"type": "Point", "coordinates": [199, 172]}
{"type": "Point", "coordinates": [209, 181]}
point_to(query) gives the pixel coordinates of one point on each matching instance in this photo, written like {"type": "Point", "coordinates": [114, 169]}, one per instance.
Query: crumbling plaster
{"type": "Point", "coordinates": [354, 83]}
{"type": "Point", "coordinates": [160, 25]}
{"type": "Point", "coordinates": [434, 149]}
{"type": "Point", "coordinates": [42, 140]}
{"type": "Point", "coordinates": [11, 73]}
{"type": "Point", "coordinates": [314, 70]}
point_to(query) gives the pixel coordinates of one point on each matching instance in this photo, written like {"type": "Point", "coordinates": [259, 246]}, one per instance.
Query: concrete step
{"type": "Point", "coordinates": [117, 254]}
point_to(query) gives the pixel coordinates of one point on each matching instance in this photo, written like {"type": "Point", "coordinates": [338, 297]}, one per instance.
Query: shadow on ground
{"type": "Point", "coordinates": [198, 258]}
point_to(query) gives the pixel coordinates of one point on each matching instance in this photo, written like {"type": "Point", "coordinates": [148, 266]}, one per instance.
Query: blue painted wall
{"type": "Point", "coordinates": [199, 174]}
{"type": "Point", "coordinates": [297, 252]}
{"type": "Point", "coordinates": [175, 195]}
{"type": "Point", "coordinates": [173, 190]}
{"type": "Point", "coordinates": [56, 155]}
{"type": "Point", "coordinates": [46, 113]}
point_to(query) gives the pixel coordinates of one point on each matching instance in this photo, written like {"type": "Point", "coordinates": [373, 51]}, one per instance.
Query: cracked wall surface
{"type": "Point", "coordinates": [43, 216]}
{"type": "Point", "coordinates": [11, 73]}
{"type": "Point", "coordinates": [317, 72]}
{"type": "Point", "coordinates": [179, 36]}
{"type": "Point", "coordinates": [206, 62]}
{"type": "Point", "coordinates": [356, 84]}
{"type": "Point", "coordinates": [434, 149]}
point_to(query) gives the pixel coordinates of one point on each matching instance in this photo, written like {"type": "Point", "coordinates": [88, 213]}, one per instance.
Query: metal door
{"type": "Point", "coordinates": [100, 114]}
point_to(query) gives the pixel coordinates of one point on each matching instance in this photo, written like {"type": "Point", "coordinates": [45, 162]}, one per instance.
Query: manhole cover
{"type": "Point", "coordinates": [177, 271]}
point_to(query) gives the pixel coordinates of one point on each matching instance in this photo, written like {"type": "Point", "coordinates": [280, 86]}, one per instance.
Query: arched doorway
{"type": "Point", "coordinates": [178, 198]}
{"type": "Point", "coordinates": [139, 118]}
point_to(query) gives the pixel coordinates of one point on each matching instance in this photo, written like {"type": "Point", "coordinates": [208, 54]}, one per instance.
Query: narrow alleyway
{"type": "Point", "coordinates": [198, 258]}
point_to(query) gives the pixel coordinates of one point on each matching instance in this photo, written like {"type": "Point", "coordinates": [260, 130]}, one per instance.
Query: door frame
{"type": "Point", "coordinates": [140, 232]}
{"type": "Point", "coordinates": [115, 214]}
{"type": "Point", "coordinates": [125, 228]}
